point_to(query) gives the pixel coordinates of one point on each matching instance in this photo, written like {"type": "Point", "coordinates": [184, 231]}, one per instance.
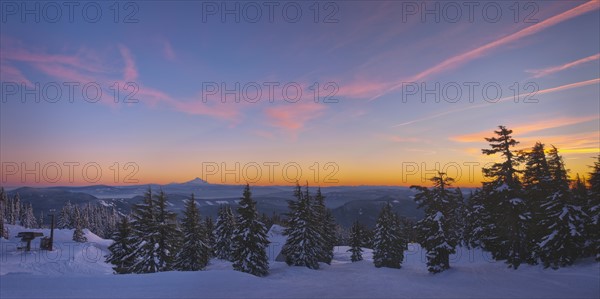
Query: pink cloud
{"type": "Point", "coordinates": [553, 69]}
{"type": "Point", "coordinates": [226, 111]}
{"type": "Point", "coordinates": [11, 73]}
{"type": "Point", "coordinates": [293, 116]}
{"type": "Point", "coordinates": [85, 66]}
{"type": "Point", "coordinates": [130, 72]}
{"type": "Point", "coordinates": [360, 89]}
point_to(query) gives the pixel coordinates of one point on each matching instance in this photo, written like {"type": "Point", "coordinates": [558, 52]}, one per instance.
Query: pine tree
{"type": "Point", "coordinates": [78, 235]}
{"type": "Point", "coordinates": [121, 250]}
{"type": "Point", "coordinates": [224, 231]}
{"type": "Point", "coordinates": [509, 213]}
{"type": "Point", "coordinates": [41, 220]}
{"type": "Point", "coordinates": [168, 233]}
{"type": "Point", "coordinates": [28, 219]}
{"type": "Point", "coordinates": [439, 229]}
{"type": "Point", "coordinates": [326, 224]}
{"type": "Point", "coordinates": [388, 243]}
{"type": "Point", "coordinates": [537, 183]}
{"type": "Point", "coordinates": [304, 240]}
{"type": "Point", "coordinates": [16, 210]}
{"type": "Point", "coordinates": [329, 237]}
{"type": "Point", "coordinates": [250, 240]}
{"type": "Point", "coordinates": [209, 226]}
{"type": "Point", "coordinates": [480, 227]}
{"type": "Point", "coordinates": [3, 203]}
{"type": "Point", "coordinates": [563, 220]}
{"type": "Point", "coordinates": [65, 217]}
{"type": "Point", "coordinates": [593, 209]}
{"type": "Point", "coordinates": [194, 253]}
{"type": "Point", "coordinates": [145, 234]}
{"type": "Point", "coordinates": [357, 235]}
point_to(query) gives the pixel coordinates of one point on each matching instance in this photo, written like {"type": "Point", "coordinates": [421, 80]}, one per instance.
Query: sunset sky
{"type": "Point", "coordinates": [375, 57]}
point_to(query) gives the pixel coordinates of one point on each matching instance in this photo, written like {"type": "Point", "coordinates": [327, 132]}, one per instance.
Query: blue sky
{"type": "Point", "coordinates": [172, 57]}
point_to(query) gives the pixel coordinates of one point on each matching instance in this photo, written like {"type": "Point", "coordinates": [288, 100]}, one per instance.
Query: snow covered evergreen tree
{"type": "Point", "coordinates": [209, 226]}
{"type": "Point", "coordinates": [357, 235]}
{"type": "Point", "coordinates": [304, 240]}
{"type": "Point", "coordinates": [438, 231]}
{"type": "Point", "coordinates": [121, 250]}
{"type": "Point", "coordinates": [145, 234]}
{"type": "Point", "coordinates": [195, 252]}
{"type": "Point", "coordinates": [509, 213]}
{"type": "Point", "coordinates": [3, 204]}
{"type": "Point", "coordinates": [388, 243]}
{"type": "Point", "coordinates": [562, 220]}
{"type": "Point", "coordinates": [326, 223]}
{"type": "Point", "coordinates": [78, 235]}
{"type": "Point", "coordinates": [15, 215]}
{"type": "Point", "coordinates": [593, 210]}
{"type": "Point", "coordinates": [250, 240]}
{"type": "Point", "coordinates": [65, 217]}
{"type": "Point", "coordinates": [41, 220]}
{"type": "Point", "coordinates": [480, 228]}
{"type": "Point", "coordinates": [224, 232]}
{"type": "Point", "coordinates": [168, 233]}
{"type": "Point", "coordinates": [28, 219]}
{"type": "Point", "coordinates": [537, 183]}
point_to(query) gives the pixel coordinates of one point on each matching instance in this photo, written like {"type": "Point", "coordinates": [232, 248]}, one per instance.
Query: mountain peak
{"type": "Point", "coordinates": [196, 181]}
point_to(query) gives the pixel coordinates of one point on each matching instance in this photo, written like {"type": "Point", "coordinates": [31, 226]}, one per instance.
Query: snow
{"type": "Point", "coordinates": [106, 204]}
{"type": "Point", "coordinates": [76, 272]}
{"type": "Point", "coordinates": [502, 187]}
{"type": "Point", "coordinates": [516, 201]}
{"type": "Point", "coordinates": [277, 240]}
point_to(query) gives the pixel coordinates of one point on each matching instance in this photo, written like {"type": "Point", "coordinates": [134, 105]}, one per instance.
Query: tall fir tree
{"type": "Point", "coordinates": [145, 233]}
{"type": "Point", "coordinates": [195, 252]}
{"type": "Point", "coordinates": [537, 186]}
{"type": "Point", "coordinates": [250, 240]}
{"type": "Point", "coordinates": [224, 231]}
{"type": "Point", "coordinates": [122, 249]}
{"type": "Point", "coordinates": [209, 226]}
{"type": "Point", "coordinates": [357, 235]}
{"type": "Point", "coordinates": [479, 224]}
{"type": "Point", "coordinates": [509, 213]}
{"type": "Point", "coordinates": [16, 210]}
{"type": "Point", "coordinates": [303, 246]}
{"type": "Point", "coordinates": [438, 231]}
{"type": "Point", "coordinates": [28, 219]}
{"type": "Point", "coordinates": [78, 235]}
{"type": "Point", "coordinates": [593, 209]}
{"type": "Point", "coordinates": [168, 233]}
{"type": "Point", "coordinates": [388, 243]}
{"type": "Point", "coordinates": [580, 191]}
{"type": "Point", "coordinates": [41, 220]}
{"type": "Point", "coordinates": [65, 217]}
{"type": "Point", "coordinates": [3, 204]}
{"type": "Point", "coordinates": [563, 237]}
{"type": "Point", "coordinates": [326, 224]}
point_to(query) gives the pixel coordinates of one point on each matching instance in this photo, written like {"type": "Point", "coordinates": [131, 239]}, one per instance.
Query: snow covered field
{"type": "Point", "coordinates": [78, 271]}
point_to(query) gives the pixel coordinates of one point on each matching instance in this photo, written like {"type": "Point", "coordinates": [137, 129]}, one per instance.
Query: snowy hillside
{"type": "Point", "coordinates": [77, 271]}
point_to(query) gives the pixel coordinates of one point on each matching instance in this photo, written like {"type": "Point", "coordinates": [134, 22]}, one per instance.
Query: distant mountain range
{"type": "Point", "coordinates": [347, 203]}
